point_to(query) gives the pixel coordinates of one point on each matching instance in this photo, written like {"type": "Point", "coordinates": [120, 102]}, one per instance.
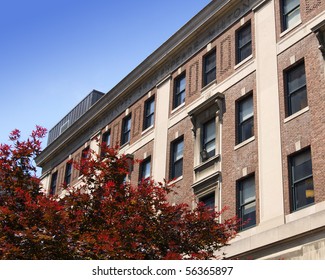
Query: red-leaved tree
{"type": "Point", "coordinates": [103, 217]}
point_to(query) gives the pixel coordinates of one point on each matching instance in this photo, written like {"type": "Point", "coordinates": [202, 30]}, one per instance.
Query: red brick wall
{"type": "Point", "coordinates": [307, 128]}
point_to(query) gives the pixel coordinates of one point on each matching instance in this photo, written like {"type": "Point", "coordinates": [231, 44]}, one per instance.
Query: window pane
{"type": "Point", "coordinates": [209, 68]}
{"type": "Point", "coordinates": [302, 166]}
{"type": "Point", "coordinates": [303, 193]}
{"type": "Point", "coordinates": [244, 36]}
{"type": "Point", "coordinates": [149, 113]}
{"type": "Point", "coordinates": [127, 125]}
{"type": "Point", "coordinates": [145, 169]}
{"type": "Point", "coordinates": [248, 190]}
{"type": "Point", "coordinates": [126, 130]}
{"type": "Point", "coordinates": [249, 215]}
{"type": "Point", "coordinates": [247, 202]}
{"type": "Point", "coordinates": [246, 109]}
{"type": "Point", "coordinates": [245, 51]}
{"type": "Point", "coordinates": [210, 76]}
{"type": "Point", "coordinates": [293, 18]}
{"type": "Point", "coordinates": [179, 94]}
{"type": "Point", "coordinates": [209, 200]}
{"type": "Point", "coordinates": [246, 130]}
{"type": "Point", "coordinates": [289, 5]}
{"type": "Point", "coordinates": [177, 160]}
{"type": "Point", "coordinates": [210, 62]}
{"type": "Point", "coordinates": [209, 131]}
{"type": "Point", "coordinates": [68, 168]}
{"type": "Point", "coordinates": [209, 135]}
{"type": "Point", "coordinates": [296, 89]}
{"type": "Point", "coordinates": [245, 119]}
{"type": "Point", "coordinates": [178, 152]}
{"type": "Point", "coordinates": [178, 169]}
{"type": "Point", "coordinates": [182, 84]}
{"type": "Point", "coordinates": [53, 183]}
{"type": "Point", "coordinates": [298, 100]}
{"type": "Point", "coordinates": [106, 138]}
{"type": "Point", "coordinates": [296, 78]}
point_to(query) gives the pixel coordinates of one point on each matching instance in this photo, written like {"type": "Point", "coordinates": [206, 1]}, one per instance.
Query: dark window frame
{"type": "Point", "coordinates": [208, 197]}
{"type": "Point", "coordinates": [289, 94]}
{"type": "Point", "coordinates": [148, 116]}
{"type": "Point", "coordinates": [126, 130]}
{"type": "Point", "coordinates": [179, 95]}
{"type": "Point", "coordinates": [176, 165]}
{"type": "Point", "coordinates": [207, 72]}
{"type": "Point", "coordinates": [143, 169]}
{"type": "Point", "coordinates": [241, 124]}
{"type": "Point", "coordinates": [294, 183]}
{"type": "Point", "coordinates": [106, 138]}
{"type": "Point", "coordinates": [241, 47]}
{"type": "Point", "coordinates": [285, 14]}
{"type": "Point", "coordinates": [241, 205]}
{"type": "Point", "coordinates": [68, 173]}
{"type": "Point", "coordinates": [53, 185]}
{"type": "Point", "coordinates": [205, 141]}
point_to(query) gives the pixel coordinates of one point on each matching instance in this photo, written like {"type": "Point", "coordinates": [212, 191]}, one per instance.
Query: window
{"type": "Point", "coordinates": [246, 202]}
{"type": "Point", "coordinates": [296, 91]}
{"type": "Point", "coordinates": [209, 68]}
{"type": "Point", "coordinates": [53, 183]}
{"type": "Point", "coordinates": [177, 158]}
{"type": "Point", "coordinates": [85, 155]}
{"type": "Point", "coordinates": [145, 169]}
{"type": "Point", "coordinates": [106, 138]}
{"type": "Point", "coordinates": [208, 200]}
{"type": "Point", "coordinates": [245, 119]}
{"type": "Point", "coordinates": [290, 13]}
{"type": "Point", "coordinates": [179, 91]}
{"type": "Point", "coordinates": [243, 43]}
{"type": "Point", "coordinates": [126, 130]}
{"type": "Point", "coordinates": [67, 176]}
{"type": "Point", "coordinates": [149, 113]}
{"type": "Point", "coordinates": [208, 139]}
{"type": "Point", "coordinates": [302, 187]}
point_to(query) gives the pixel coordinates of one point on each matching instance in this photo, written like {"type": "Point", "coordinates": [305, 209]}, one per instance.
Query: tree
{"type": "Point", "coordinates": [105, 217]}
{"type": "Point", "coordinates": [28, 219]}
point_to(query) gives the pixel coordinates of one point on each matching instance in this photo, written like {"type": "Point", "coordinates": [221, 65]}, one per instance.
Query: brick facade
{"type": "Point", "coordinates": [233, 161]}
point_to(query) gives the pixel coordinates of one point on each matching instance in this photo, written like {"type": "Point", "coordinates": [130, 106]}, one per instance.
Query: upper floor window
{"type": "Point", "coordinates": [290, 13]}
{"type": "Point", "coordinates": [301, 175]}
{"type": "Point", "coordinates": [68, 171]}
{"type": "Point", "coordinates": [106, 138]}
{"type": "Point", "coordinates": [179, 90]}
{"type": "Point", "coordinates": [149, 113]}
{"type": "Point", "coordinates": [177, 158]}
{"type": "Point", "coordinates": [296, 91]}
{"type": "Point", "coordinates": [243, 42]}
{"type": "Point", "coordinates": [145, 169]}
{"type": "Point", "coordinates": [208, 139]}
{"type": "Point", "coordinates": [209, 67]}
{"type": "Point", "coordinates": [246, 202]}
{"type": "Point", "coordinates": [126, 130]}
{"type": "Point", "coordinates": [245, 119]}
{"type": "Point", "coordinates": [53, 185]}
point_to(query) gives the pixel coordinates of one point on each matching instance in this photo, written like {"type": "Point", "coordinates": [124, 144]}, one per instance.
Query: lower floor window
{"type": "Point", "coordinates": [145, 168]}
{"type": "Point", "coordinates": [302, 187]}
{"type": "Point", "coordinates": [208, 200]}
{"type": "Point", "coordinates": [246, 202]}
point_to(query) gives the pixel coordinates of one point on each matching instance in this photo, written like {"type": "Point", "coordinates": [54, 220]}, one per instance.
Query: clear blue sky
{"type": "Point", "coordinates": [54, 52]}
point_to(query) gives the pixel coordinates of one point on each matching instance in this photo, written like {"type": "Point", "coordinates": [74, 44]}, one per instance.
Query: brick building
{"type": "Point", "coordinates": [230, 107]}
